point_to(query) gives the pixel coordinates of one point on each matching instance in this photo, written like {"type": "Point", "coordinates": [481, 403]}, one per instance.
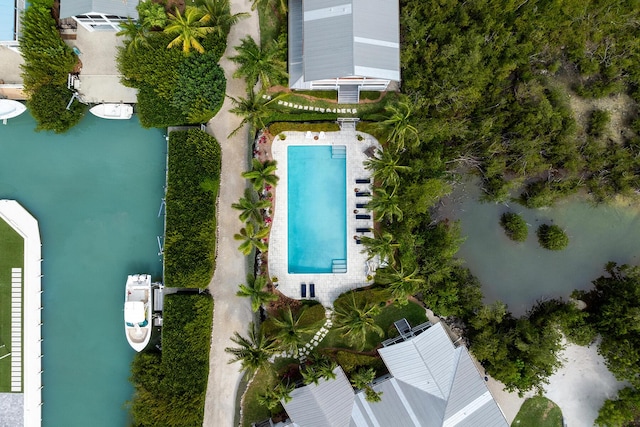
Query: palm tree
{"type": "Point", "coordinates": [188, 28]}
{"type": "Point", "coordinates": [251, 206]}
{"type": "Point", "coordinates": [253, 109]}
{"type": "Point", "coordinates": [218, 14]}
{"type": "Point", "coordinates": [401, 284]}
{"type": "Point", "coordinates": [386, 169]}
{"type": "Point", "coordinates": [382, 245]}
{"type": "Point", "coordinates": [272, 397]}
{"type": "Point", "coordinates": [354, 317]}
{"type": "Point", "coordinates": [262, 173]}
{"type": "Point", "coordinates": [385, 205]}
{"type": "Point", "coordinates": [322, 367]}
{"type": "Point", "coordinates": [135, 33]}
{"type": "Point", "coordinates": [362, 379]}
{"type": "Point", "coordinates": [290, 333]}
{"type": "Point", "coordinates": [254, 290]}
{"type": "Point", "coordinates": [252, 238]}
{"type": "Point", "coordinates": [256, 63]}
{"type": "Point", "coordinates": [278, 5]}
{"type": "Point", "coordinates": [397, 125]}
{"type": "Point", "coordinates": [254, 351]}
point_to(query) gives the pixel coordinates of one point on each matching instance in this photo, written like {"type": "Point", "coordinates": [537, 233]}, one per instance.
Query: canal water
{"type": "Point", "coordinates": [521, 273]}
{"type": "Point", "coordinates": [96, 193]}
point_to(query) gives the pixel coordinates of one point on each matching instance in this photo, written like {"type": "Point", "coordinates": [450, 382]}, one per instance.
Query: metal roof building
{"type": "Point", "coordinates": [336, 43]}
{"type": "Point", "coordinates": [433, 384]}
{"type": "Point", "coordinates": [99, 15]}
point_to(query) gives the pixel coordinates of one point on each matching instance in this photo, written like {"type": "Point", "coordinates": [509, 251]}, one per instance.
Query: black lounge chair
{"type": "Point", "coordinates": [363, 230]}
{"type": "Point", "coordinates": [360, 216]}
{"type": "Point", "coordinates": [363, 181]}
{"type": "Point", "coordinates": [363, 194]}
{"type": "Point", "coordinates": [303, 290]}
{"type": "Point", "coordinates": [312, 290]}
{"type": "Point", "coordinates": [361, 206]}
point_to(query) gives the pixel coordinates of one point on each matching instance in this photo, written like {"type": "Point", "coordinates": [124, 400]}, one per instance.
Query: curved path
{"type": "Point", "coordinates": [231, 313]}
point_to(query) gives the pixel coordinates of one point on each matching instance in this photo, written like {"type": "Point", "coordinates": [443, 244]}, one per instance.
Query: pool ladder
{"type": "Point", "coordinates": [339, 266]}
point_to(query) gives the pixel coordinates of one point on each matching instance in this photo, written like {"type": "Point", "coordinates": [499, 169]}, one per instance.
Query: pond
{"type": "Point", "coordinates": [521, 273]}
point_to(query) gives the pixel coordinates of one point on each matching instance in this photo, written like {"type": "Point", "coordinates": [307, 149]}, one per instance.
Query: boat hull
{"type": "Point", "coordinates": [138, 311]}
{"type": "Point", "coordinates": [112, 111]}
{"type": "Point", "coordinates": [10, 109]}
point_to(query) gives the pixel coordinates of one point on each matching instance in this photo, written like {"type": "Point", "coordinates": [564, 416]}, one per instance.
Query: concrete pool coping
{"type": "Point", "coordinates": [328, 286]}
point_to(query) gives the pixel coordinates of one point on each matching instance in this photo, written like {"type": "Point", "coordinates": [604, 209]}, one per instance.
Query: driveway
{"type": "Point", "coordinates": [231, 313]}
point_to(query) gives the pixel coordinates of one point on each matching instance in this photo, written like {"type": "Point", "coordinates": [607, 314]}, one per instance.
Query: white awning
{"type": "Point", "coordinates": [134, 312]}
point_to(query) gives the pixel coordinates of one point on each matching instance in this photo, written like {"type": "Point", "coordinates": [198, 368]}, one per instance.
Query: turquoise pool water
{"type": "Point", "coordinates": [317, 209]}
{"type": "Point", "coordinates": [96, 192]}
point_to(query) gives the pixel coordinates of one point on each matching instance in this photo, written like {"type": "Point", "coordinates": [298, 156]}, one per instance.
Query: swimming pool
{"type": "Point", "coordinates": [317, 208]}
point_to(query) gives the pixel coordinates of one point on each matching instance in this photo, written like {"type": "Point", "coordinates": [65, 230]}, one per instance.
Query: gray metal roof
{"type": "Point", "coordinates": [342, 38]}
{"type": "Point", "coordinates": [434, 384]}
{"type": "Point", "coordinates": [69, 8]}
{"type": "Point", "coordinates": [329, 403]}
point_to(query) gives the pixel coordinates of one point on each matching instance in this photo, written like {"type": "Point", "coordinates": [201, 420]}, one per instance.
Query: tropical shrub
{"type": "Point", "coordinates": [47, 63]}
{"type": "Point", "coordinates": [200, 88]}
{"type": "Point", "coordinates": [170, 387]}
{"type": "Point", "coordinates": [623, 411]}
{"type": "Point", "coordinates": [192, 189]}
{"type": "Point", "coordinates": [598, 122]}
{"type": "Point", "coordinates": [173, 88]}
{"type": "Point", "coordinates": [612, 306]}
{"type": "Point", "coordinates": [351, 361]}
{"type": "Point", "coordinates": [514, 226]}
{"type": "Point", "coordinates": [552, 237]}
{"type": "Point", "coordinates": [48, 104]}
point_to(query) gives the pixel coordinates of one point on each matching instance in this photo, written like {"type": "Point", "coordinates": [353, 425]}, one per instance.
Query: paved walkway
{"type": "Point", "coordinates": [231, 313]}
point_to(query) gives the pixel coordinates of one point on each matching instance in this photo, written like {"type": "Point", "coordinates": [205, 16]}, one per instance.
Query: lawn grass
{"type": "Point", "coordinates": [538, 412]}
{"type": "Point", "coordinates": [12, 256]}
{"type": "Point", "coordinates": [271, 25]}
{"type": "Point", "coordinates": [414, 313]}
{"type": "Point", "coordinates": [252, 411]}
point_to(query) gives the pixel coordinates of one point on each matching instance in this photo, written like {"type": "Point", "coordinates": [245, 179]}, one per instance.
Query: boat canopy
{"type": "Point", "coordinates": [134, 312]}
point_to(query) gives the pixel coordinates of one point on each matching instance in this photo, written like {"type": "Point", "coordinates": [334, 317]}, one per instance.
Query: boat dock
{"type": "Point", "coordinates": [21, 403]}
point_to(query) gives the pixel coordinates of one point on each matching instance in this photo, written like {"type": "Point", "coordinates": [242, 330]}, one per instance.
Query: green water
{"type": "Point", "coordinates": [96, 192]}
{"type": "Point", "coordinates": [521, 273]}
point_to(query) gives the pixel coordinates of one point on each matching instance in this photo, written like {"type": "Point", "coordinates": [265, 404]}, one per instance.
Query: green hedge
{"type": "Point", "coordinates": [170, 387]}
{"type": "Point", "coordinates": [352, 361]}
{"type": "Point", "coordinates": [192, 189]}
{"type": "Point", "coordinates": [276, 128]}
{"type": "Point", "coordinates": [174, 88]}
{"type": "Point", "coordinates": [47, 62]}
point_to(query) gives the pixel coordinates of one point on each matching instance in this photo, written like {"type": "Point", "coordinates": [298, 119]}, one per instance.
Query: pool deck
{"type": "Point", "coordinates": [328, 286]}
{"type": "Point", "coordinates": [27, 226]}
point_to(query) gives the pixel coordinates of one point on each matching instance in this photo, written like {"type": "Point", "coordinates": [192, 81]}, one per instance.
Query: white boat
{"type": "Point", "coordinates": [10, 109]}
{"type": "Point", "coordinates": [113, 111]}
{"type": "Point", "coordinates": [137, 310]}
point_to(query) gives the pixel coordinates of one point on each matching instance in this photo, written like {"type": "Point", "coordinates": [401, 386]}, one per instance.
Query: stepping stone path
{"type": "Point", "coordinates": [304, 351]}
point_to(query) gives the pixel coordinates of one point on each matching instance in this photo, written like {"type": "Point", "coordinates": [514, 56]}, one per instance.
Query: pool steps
{"type": "Point", "coordinates": [339, 266]}
{"type": "Point", "coordinates": [338, 152]}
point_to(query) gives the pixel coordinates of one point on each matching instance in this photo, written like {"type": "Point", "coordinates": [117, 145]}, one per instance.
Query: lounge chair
{"type": "Point", "coordinates": [361, 205]}
{"type": "Point", "coordinates": [363, 230]}
{"type": "Point", "coordinates": [363, 194]}
{"type": "Point", "coordinates": [362, 216]}
{"type": "Point", "coordinates": [363, 180]}
{"type": "Point", "coordinates": [303, 290]}
{"type": "Point", "coordinates": [312, 290]}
